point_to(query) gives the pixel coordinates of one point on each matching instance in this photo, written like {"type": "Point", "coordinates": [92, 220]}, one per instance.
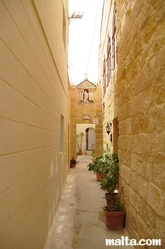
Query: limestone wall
{"type": "Point", "coordinates": [140, 91]}
{"type": "Point", "coordinates": [33, 99]}
{"type": "Point", "coordinates": [109, 109]}
{"type": "Point", "coordinates": [137, 99]}
{"type": "Point", "coordinates": [94, 110]}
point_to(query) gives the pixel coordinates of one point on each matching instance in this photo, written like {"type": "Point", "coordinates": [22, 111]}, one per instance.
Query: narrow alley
{"type": "Point", "coordinates": [80, 221]}
{"type": "Point", "coordinates": [48, 116]}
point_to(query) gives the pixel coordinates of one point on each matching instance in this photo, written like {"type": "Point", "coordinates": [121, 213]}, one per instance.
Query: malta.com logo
{"type": "Point", "coordinates": [125, 241]}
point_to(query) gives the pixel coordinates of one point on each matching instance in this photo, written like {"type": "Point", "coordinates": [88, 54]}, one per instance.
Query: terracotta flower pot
{"type": "Point", "coordinates": [99, 177]}
{"type": "Point", "coordinates": [115, 220]}
{"type": "Point", "coordinates": [111, 198]}
{"type": "Point", "coordinates": [73, 165]}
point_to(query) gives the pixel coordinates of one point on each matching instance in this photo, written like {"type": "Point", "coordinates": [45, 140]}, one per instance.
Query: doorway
{"type": "Point", "coordinates": [90, 138]}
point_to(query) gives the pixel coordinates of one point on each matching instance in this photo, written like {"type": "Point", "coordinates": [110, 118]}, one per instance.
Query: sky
{"type": "Point", "coordinates": [84, 35]}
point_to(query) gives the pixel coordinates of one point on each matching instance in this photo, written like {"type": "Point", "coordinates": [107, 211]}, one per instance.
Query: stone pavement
{"type": "Point", "coordinates": [80, 222]}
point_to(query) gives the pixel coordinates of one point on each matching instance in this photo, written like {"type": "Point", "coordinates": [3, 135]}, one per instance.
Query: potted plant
{"type": "Point", "coordinates": [110, 179]}
{"type": "Point", "coordinates": [115, 214]}
{"type": "Point", "coordinates": [101, 165]}
{"type": "Point", "coordinates": [72, 163]}
{"type": "Point", "coordinates": [98, 167]}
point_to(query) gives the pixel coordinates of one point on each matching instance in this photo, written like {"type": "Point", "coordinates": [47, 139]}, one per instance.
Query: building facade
{"type": "Point", "coordinates": [86, 118]}
{"type": "Point", "coordinates": [34, 155]}
{"type": "Point", "coordinates": [131, 59]}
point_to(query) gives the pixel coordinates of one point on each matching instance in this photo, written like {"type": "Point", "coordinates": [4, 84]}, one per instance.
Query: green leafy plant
{"type": "Point", "coordinates": [118, 207]}
{"type": "Point", "coordinates": [110, 179]}
{"type": "Point", "coordinates": [98, 166]}
{"type": "Point", "coordinates": [103, 164]}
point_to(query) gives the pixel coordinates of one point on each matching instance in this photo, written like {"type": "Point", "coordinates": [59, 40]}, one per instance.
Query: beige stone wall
{"type": "Point", "coordinates": [109, 109]}
{"type": "Point", "coordinates": [139, 104]}
{"type": "Point", "coordinates": [78, 110]}
{"type": "Point", "coordinates": [33, 96]}
{"type": "Point", "coordinates": [140, 89]}
{"type": "Point", "coordinates": [108, 113]}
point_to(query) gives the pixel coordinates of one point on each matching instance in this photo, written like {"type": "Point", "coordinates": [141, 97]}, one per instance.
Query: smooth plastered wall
{"type": "Point", "coordinates": [33, 96]}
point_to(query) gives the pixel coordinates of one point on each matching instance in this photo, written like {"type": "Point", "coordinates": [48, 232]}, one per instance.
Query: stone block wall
{"type": "Point", "coordinates": [140, 100]}
{"type": "Point", "coordinates": [33, 102]}
{"type": "Point", "coordinates": [135, 97]}
{"type": "Point", "coordinates": [77, 110]}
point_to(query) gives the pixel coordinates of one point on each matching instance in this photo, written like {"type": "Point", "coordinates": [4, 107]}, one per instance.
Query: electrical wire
{"type": "Point", "coordinates": [92, 38]}
{"type": "Point", "coordinates": [85, 6]}
{"type": "Point", "coordinates": [85, 3]}
{"type": "Point", "coordinates": [76, 5]}
{"type": "Point", "coordinates": [74, 10]}
{"type": "Point", "coordinates": [69, 74]}
{"type": "Point", "coordinates": [81, 8]}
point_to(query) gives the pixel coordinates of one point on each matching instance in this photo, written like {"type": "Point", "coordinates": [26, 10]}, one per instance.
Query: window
{"type": "Point", "coordinates": [108, 60]}
{"type": "Point", "coordinates": [104, 76]}
{"type": "Point", "coordinates": [62, 134]}
{"type": "Point", "coordinates": [114, 41]}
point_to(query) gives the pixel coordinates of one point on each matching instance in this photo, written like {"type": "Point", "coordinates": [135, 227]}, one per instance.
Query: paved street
{"type": "Point", "coordinates": [80, 221]}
